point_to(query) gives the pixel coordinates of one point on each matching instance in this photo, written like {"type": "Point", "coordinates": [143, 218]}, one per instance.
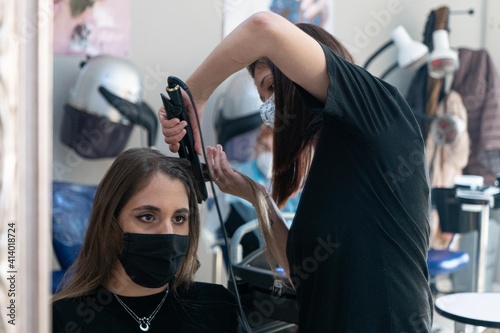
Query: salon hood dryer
{"type": "Point", "coordinates": [237, 117]}
{"type": "Point", "coordinates": [443, 60]}
{"type": "Point", "coordinates": [103, 105]}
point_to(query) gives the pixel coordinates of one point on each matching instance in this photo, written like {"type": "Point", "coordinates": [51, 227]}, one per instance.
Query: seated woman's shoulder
{"type": "Point", "coordinates": [203, 291]}
{"type": "Point", "coordinates": [212, 303]}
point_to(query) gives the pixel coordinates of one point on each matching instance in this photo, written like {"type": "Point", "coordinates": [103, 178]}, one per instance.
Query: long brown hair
{"type": "Point", "coordinates": [296, 127]}
{"type": "Point", "coordinates": [130, 172]}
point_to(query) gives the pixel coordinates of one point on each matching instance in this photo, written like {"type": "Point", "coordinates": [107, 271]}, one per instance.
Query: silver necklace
{"type": "Point", "coordinates": [143, 322]}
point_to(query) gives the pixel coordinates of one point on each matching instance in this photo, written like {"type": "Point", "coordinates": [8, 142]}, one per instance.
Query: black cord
{"type": "Point", "coordinates": [244, 320]}
{"type": "Point", "coordinates": [389, 70]}
{"type": "Point", "coordinates": [380, 50]}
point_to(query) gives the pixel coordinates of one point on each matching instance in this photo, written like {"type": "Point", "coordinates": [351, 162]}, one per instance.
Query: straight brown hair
{"type": "Point", "coordinates": [130, 173]}
{"type": "Point", "coordinates": [296, 127]}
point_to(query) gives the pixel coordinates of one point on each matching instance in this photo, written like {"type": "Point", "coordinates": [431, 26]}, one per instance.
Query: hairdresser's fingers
{"type": "Point", "coordinates": [214, 170]}
{"type": "Point", "coordinates": [210, 162]}
{"type": "Point", "coordinates": [174, 135]}
{"type": "Point", "coordinates": [228, 180]}
{"type": "Point", "coordinates": [217, 166]}
{"type": "Point", "coordinates": [173, 130]}
{"type": "Point", "coordinates": [225, 167]}
{"type": "Point", "coordinates": [173, 141]}
{"type": "Point", "coordinates": [214, 165]}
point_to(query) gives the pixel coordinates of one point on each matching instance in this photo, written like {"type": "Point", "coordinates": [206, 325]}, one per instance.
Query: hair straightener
{"type": "Point", "coordinates": [175, 109]}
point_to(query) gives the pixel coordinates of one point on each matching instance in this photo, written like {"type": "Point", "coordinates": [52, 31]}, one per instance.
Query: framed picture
{"type": "Point", "coordinates": [91, 27]}
{"type": "Point", "coordinates": [317, 12]}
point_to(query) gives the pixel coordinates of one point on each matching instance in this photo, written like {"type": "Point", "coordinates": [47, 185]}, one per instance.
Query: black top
{"type": "Point", "coordinates": [201, 308]}
{"type": "Point", "coordinates": [357, 247]}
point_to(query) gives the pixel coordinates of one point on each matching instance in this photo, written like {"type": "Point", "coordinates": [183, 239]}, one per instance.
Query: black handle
{"type": "Point", "coordinates": [174, 108]}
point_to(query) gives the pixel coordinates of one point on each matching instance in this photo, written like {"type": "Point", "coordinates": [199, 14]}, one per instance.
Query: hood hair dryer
{"type": "Point", "coordinates": [442, 60]}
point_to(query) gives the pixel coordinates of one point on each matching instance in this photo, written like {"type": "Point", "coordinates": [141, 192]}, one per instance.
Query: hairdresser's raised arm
{"type": "Point", "coordinates": [264, 34]}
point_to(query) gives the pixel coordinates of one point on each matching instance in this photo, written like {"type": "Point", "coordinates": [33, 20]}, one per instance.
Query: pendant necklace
{"type": "Point", "coordinates": [143, 322]}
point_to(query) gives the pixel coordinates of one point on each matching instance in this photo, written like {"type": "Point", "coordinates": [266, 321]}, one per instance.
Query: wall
{"type": "Point", "coordinates": [492, 30]}
{"type": "Point", "coordinates": [366, 26]}
{"type": "Point", "coordinates": [172, 37]}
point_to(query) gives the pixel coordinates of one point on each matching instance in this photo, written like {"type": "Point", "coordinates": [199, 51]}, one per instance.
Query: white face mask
{"type": "Point", "coordinates": [265, 163]}
{"type": "Point", "coordinates": [267, 111]}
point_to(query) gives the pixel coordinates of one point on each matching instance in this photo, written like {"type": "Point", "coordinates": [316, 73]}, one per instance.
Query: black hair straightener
{"type": "Point", "coordinates": [175, 109]}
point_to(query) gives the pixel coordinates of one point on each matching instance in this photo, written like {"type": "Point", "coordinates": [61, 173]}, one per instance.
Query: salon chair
{"type": "Point", "coordinates": [71, 207]}
{"type": "Point", "coordinates": [444, 262]}
{"type": "Point", "coordinates": [447, 261]}
{"type": "Point", "coordinates": [464, 210]}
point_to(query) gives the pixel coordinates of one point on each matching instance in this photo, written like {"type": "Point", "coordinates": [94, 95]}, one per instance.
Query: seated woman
{"type": "Point", "coordinates": [137, 265]}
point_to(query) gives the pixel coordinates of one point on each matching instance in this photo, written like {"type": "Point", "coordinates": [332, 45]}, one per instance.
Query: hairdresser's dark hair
{"type": "Point", "coordinates": [296, 127]}
{"type": "Point", "coordinates": [130, 173]}
{"type": "Point", "coordinates": [264, 61]}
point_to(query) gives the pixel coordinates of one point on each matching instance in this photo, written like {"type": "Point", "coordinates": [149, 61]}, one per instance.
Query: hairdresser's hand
{"type": "Point", "coordinates": [228, 180]}
{"type": "Point", "coordinates": [174, 130]}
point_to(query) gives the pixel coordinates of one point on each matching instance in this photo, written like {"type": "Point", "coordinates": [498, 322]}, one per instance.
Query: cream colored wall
{"type": "Point", "coordinates": [492, 30]}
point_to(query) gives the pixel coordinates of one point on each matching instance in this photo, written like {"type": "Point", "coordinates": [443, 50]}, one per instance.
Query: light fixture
{"type": "Point", "coordinates": [442, 60]}
{"type": "Point", "coordinates": [411, 54]}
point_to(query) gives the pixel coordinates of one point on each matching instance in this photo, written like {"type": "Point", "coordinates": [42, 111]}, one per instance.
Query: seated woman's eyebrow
{"type": "Point", "coordinates": [156, 209]}
{"type": "Point", "coordinates": [147, 207]}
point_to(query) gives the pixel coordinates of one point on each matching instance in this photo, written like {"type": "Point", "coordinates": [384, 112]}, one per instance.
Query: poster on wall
{"type": "Point", "coordinates": [92, 27]}
{"type": "Point", "coordinates": [319, 12]}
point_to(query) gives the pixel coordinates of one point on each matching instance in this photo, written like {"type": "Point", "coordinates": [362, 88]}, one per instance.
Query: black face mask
{"type": "Point", "coordinates": [152, 260]}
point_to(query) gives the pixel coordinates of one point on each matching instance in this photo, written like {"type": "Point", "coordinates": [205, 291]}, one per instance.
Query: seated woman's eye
{"type": "Point", "coordinates": [147, 217]}
{"type": "Point", "coordinates": [179, 219]}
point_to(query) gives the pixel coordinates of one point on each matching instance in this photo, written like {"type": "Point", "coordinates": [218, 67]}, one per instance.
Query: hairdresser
{"type": "Point", "coordinates": [356, 250]}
